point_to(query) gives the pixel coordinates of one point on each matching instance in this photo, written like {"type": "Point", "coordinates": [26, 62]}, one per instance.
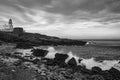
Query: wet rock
{"type": "Point", "coordinates": [72, 62]}
{"type": "Point", "coordinates": [83, 70]}
{"type": "Point", "coordinates": [35, 61]}
{"type": "Point", "coordinates": [79, 60]}
{"type": "Point", "coordinates": [96, 70]}
{"type": "Point", "coordinates": [115, 73]}
{"type": "Point", "coordinates": [97, 77]}
{"type": "Point", "coordinates": [39, 52]}
{"type": "Point", "coordinates": [41, 78]}
{"type": "Point", "coordinates": [18, 63]}
{"type": "Point", "coordinates": [78, 68]}
{"type": "Point", "coordinates": [68, 75]}
{"type": "Point", "coordinates": [49, 62]}
{"type": "Point", "coordinates": [8, 54]}
{"type": "Point", "coordinates": [107, 75]}
{"type": "Point", "coordinates": [60, 59]}
{"type": "Point", "coordinates": [17, 53]}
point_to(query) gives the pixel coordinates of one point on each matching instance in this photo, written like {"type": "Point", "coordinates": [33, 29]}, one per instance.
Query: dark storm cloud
{"type": "Point", "coordinates": [33, 3]}
{"type": "Point", "coordinates": [77, 9]}
{"type": "Point", "coordinates": [69, 8]}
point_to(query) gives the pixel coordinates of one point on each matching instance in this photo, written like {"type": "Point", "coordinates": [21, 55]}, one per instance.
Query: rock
{"type": "Point", "coordinates": [49, 62]}
{"type": "Point", "coordinates": [84, 70]}
{"type": "Point", "coordinates": [18, 63]}
{"type": "Point", "coordinates": [96, 70]}
{"type": "Point", "coordinates": [107, 75]}
{"type": "Point", "coordinates": [72, 62]}
{"type": "Point", "coordinates": [17, 53]}
{"type": "Point", "coordinates": [97, 77]}
{"type": "Point", "coordinates": [60, 59]}
{"type": "Point", "coordinates": [8, 54]}
{"type": "Point", "coordinates": [41, 77]}
{"type": "Point", "coordinates": [39, 52]}
{"type": "Point", "coordinates": [78, 68]}
{"type": "Point", "coordinates": [67, 74]}
{"type": "Point", "coordinates": [35, 61]}
{"type": "Point", "coordinates": [115, 73]}
{"type": "Point", "coordinates": [79, 60]}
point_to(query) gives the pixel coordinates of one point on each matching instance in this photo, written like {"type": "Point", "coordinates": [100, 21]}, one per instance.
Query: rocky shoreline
{"type": "Point", "coordinates": [28, 40]}
{"type": "Point", "coordinates": [36, 66]}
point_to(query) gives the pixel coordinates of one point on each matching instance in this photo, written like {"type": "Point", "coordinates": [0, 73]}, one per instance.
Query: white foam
{"type": "Point", "coordinates": [70, 54]}
{"type": "Point", "coordinates": [51, 53]}
{"type": "Point", "coordinates": [88, 63]}
{"type": "Point", "coordinates": [24, 51]}
{"type": "Point", "coordinates": [117, 66]}
{"type": "Point", "coordinates": [105, 65]}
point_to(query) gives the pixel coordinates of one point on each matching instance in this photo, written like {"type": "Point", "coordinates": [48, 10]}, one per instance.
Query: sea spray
{"type": "Point", "coordinates": [52, 52]}
{"type": "Point", "coordinates": [24, 52]}
{"type": "Point", "coordinates": [88, 63]}
{"type": "Point", "coordinates": [71, 55]}
{"type": "Point", "coordinates": [105, 65]}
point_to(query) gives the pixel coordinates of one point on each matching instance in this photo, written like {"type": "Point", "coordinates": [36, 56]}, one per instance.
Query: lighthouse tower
{"type": "Point", "coordinates": [10, 24]}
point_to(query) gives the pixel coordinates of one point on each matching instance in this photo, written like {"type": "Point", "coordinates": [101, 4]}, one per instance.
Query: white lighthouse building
{"type": "Point", "coordinates": [7, 27]}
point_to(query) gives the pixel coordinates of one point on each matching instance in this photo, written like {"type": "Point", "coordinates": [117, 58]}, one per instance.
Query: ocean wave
{"type": "Point", "coordinates": [88, 63]}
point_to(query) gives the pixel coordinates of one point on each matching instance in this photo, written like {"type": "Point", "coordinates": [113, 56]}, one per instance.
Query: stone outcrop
{"type": "Point", "coordinates": [96, 70]}
{"type": "Point", "coordinates": [39, 52]}
{"type": "Point", "coordinates": [60, 59]}
{"type": "Point", "coordinates": [51, 69]}
{"type": "Point", "coordinates": [115, 73]}
{"type": "Point", "coordinates": [72, 62]}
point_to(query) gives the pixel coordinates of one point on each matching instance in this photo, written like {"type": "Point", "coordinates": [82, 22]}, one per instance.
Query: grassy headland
{"type": "Point", "coordinates": [34, 39]}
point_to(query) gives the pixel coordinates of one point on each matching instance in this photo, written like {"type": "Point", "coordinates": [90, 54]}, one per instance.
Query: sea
{"type": "Point", "coordinates": [103, 54]}
{"type": "Point", "coordinates": [108, 50]}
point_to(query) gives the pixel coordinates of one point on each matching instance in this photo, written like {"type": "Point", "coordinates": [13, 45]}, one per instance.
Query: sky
{"type": "Point", "coordinates": [75, 19]}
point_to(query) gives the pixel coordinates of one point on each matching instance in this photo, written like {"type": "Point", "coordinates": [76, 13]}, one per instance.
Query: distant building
{"type": "Point", "coordinates": [7, 27]}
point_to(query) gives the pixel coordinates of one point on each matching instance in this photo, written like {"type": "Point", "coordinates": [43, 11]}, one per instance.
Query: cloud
{"type": "Point", "coordinates": [64, 18]}
{"type": "Point", "coordinates": [69, 6]}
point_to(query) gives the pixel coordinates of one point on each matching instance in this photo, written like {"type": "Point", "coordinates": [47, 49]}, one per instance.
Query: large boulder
{"type": "Point", "coordinates": [96, 70]}
{"type": "Point", "coordinates": [72, 62]}
{"type": "Point", "coordinates": [115, 73]}
{"type": "Point", "coordinates": [60, 59]}
{"type": "Point", "coordinates": [39, 52]}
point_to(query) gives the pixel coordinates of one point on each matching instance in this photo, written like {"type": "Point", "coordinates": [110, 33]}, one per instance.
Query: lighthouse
{"type": "Point", "coordinates": [7, 27]}
{"type": "Point", "coordinates": [10, 23]}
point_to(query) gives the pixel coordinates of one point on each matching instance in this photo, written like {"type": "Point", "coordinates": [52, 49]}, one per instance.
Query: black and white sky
{"type": "Point", "coordinates": [76, 19]}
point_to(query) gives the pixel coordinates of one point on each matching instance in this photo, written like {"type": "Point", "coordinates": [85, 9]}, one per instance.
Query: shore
{"type": "Point", "coordinates": [34, 66]}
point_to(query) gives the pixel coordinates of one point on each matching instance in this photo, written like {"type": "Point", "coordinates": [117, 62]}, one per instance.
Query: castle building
{"type": "Point", "coordinates": [7, 27]}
